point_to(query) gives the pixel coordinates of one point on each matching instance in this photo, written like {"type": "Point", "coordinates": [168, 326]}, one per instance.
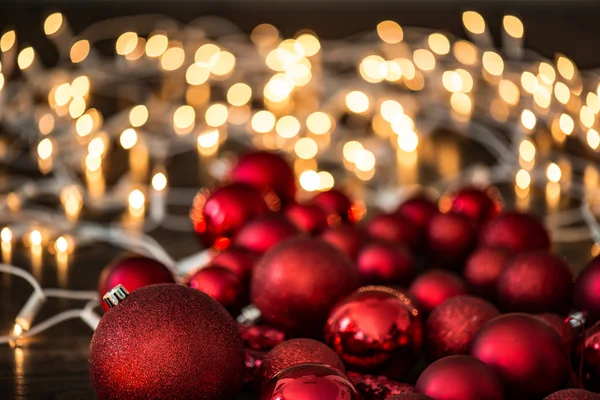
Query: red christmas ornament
{"type": "Point", "coordinates": [572, 394]}
{"type": "Point", "coordinates": [534, 283]}
{"type": "Point", "coordinates": [309, 382]}
{"type": "Point", "coordinates": [262, 233]}
{"type": "Point", "coordinates": [261, 337]}
{"type": "Point", "coordinates": [308, 218]}
{"type": "Point", "coordinates": [410, 396]}
{"type": "Point", "coordinates": [557, 323]}
{"type": "Point", "coordinates": [419, 211]}
{"type": "Point", "coordinates": [460, 378]}
{"type": "Point", "coordinates": [133, 272]}
{"type": "Point", "coordinates": [347, 238]}
{"type": "Point", "coordinates": [434, 287]}
{"type": "Point", "coordinates": [373, 387]}
{"type": "Point", "coordinates": [218, 217]}
{"type": "Point", "coordinates": [298, 281]}
{"type": "Point", "coordinates": [451, 238]}
{"type": "Point", "coordinates": [478, 205]}
{"type": "Point", "coordinates": [394, 229]}
{"type": "Point", "coordinates": [167, 342]}
{"type": "Point", "coordinates": [453, 324]}
{"type": "Point", "coordinates": [587, 289]}
{"type": "Point", "coordinates": [483, 268]}
{"type": "Point", "coordinates": [376, 329]}
{"type": "Point", "coordinates": [266, 171]}
{"type": "Point", "coordinates": [238, 260]}
{"type": "Point", "coordinates": [337, 206]}
{"type": "Point", "coordinates": [591, 359]}
{"type": "Point", "coordinates": [297, 351]}
{"type": "Point", "coordinates": [383, 262]}
{"type": "Point", "coordinates": [221, 284]}
{"type": "Point", "coordinates": [515, 231]}
{"type": "Point", "coordinates": [528, 356]}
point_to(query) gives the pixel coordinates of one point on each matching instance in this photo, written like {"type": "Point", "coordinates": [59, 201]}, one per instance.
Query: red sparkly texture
{"type": "Point", "coordinates": [298, 281]}
{"type": "Point", "coordinates": [410, 396]}
{"type": "Point", "coordinates": [385, 263]}
{"type": "Point", "coordinates": [376, 329]}
{"type": "Point", "coordinates": [573, 394]}
{"type": "Point", "coordinates": [587, 289]}
{"type": "Point", "coordinates": [133, 272]}
{"type": "Point", "coordinates": [238, 260]}
{"type": "Point", "coordinates": [591, 359]}
{"type": "Point", "coordinates": [534, 283]}
{"type": "Point", "coordinates": [308, 218]}
{"type": "Point", "coordinates": [450, 238]}
{"type": "Point", "coordinates": [528, 356]}
{"type": "Point", "coordinates": [167, 342]}
{"type": "Point", "coordinates": [262, 233]}
{"type": "Point", "coordinates": [394, 229]}
{"type": "Point", "coordinates": [221, 284]}
{"type": "Point", "coordinates": [478, 205]}
{"type": "Point", "coordinates": [261, 337]}
{"type": "Point", "coordinates": [419, 211]}
{"type": "Point", "coordinates": [347, 238]}
{"type": "Point", "coordinates": [434, 287]}
{"type": "Point", "coordinates": [252, 365]}
{"type": "Point", "coordinates": [309, 382]}
{"type": "Point", "coordinates": [453, 324]}
{"type": "Point", "coordinates": [336, 205]}
{"type": "Point", "coordinates": [460, 378]}
{"type": "Point", "coordinates": [266, 171]}
{"type": "Point", "coordinates": [373, 387]}
{"type": "Point", "coordinates": [515, 231]}
{"type": "Point", "coordinates": [297, 351]}
{"type": "Point", "coordinates": [483, 268]}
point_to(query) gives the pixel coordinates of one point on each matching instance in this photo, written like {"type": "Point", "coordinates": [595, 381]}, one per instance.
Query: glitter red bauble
{"type": "Point", "coordinates": [476, 204]}
{"type": "Point", "coordinates": [394, 229]}
{"type": "Point", "coordinates": [385, 263]}
{"type": "Point", "coordinates": [410, 396]}
{"type": "Point", "coordinates": [336, 205]}
{"type": "Point", "coordinates": [262, 233]}
{"type": "Point", "coordinates": [238, 260]}
{"type": "Point", "coordinates": [534, 283]}
{"type": "Point", "coordinates": [591, 359]}
{"type": "Point", "coordinates": [309, 382]}
{"type": "Point", "coordinates": [419, 211]}
{"type": "Point", "coordinates": [373, 387]}
{"type": "Point", "coordinates": [453, 324]}
{"type": "Point", "coordinates": [483, 268]}
{"type": "Point", "coordinates": [266, 171]}
{"type": "Point", "coordinates": [528, 356]}
{"type": "Point", "coordinates": [221, 284]}
{"type": "Point", "coordinates": [167, 342]}
{"type": "Point", "coordinates": [450, 239]}
{"type": "Point", "coordinates": [434, 287]}
{"type": "Point", "coordinates": [347, 238]}
{"type": "Point", "coordinates": [133, 272]}
{"type": "Point", "coordinates": [308, 218]}
{"type": "Point", "coordinates": [298, 281]}
{"type": "Point", "coordinates": [297, 351]}
{"type": "Point", "coordinates": [515, 231]}
{"type": "Point", "coordinates": [460, 378]}
{"type": "Point", "coordinates": [376, 329]}
{"type": "Point", "coordinates": [573, 394]}
{"type": "Point", "coordinates": [587, 289]}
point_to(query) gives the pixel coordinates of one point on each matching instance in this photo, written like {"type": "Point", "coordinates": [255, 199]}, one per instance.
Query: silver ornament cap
{"type": "Point", "coordinates": [115, 295]}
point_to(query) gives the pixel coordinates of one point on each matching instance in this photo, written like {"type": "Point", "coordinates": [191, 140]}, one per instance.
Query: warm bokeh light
{"type": "Point", "coordinates": [319, 123]}
{"type": "Point", "coordinates": [562, 92]}
{"type": "Point", "coordinates": [44, 149]}
{"type": "Point", "coordinates": [77, 107]}
{"type": "Point", "coordinates": [61, 245]}
{"type": "Point", "coordinates": [357, 102]}
{"type": "Point", "coordinates": [138, 52]}
{"type": "Point", "coordinates": [461, 103]}
{"type": "Point", "coordinates": [264, 35]}
{"type": "Point", "coordinates": [566, 68]}
{"type": "Point", "coordinates": [216, 115]}
{"type": "Point", "coordinates": [46, 123]}
{"type": "Point", "coordinates": [527, 150]}
{"type": "Point", "coordinates": [79, 51]}
{"type": "Point", "coordinates": [465, 52]}
{"type": "Point", "coordinates": [553, 173]}
{"type": "Point", "coordinates": [35, 238]}
{"type": "Point", "coordinates": [587, 117]}
{"type": "Point", "coordinates": [206, 52]}
{"type": "Point", "coordinates": [197, 73]}
{"type": "Point", "coordinates": [126, 43]}
{"type": "Point", "coordinates": [593, 102]}
{"type": "Point", "coordinates": [308, 43]}
{"type": "Point", "coordinates": [408, 141]}
{"type": "Point", "coordinates": [239, 94]}
{"type": "Point", "coordinates": [542, 97]}
{"type": "Point", "coordinates": [394, 71]}
{"type": "Point", "coordinates": [373, 69]}
{"type": "Point", "coordinates": [80, 86]}
{"type": "Point", "coordinates": [306, 148]}
{"type": "Point", "coordinates": [26, 57]}
{"type": "Point", "coordinates": [467, 80]}
{"type": "Point", "coordinates": [529, 82]}
{"type": "Point", "coordinates": [222, 63]}
{"type": "Point", "coordinates": [350, 150]}
{"type": "Point", "coordinates": [208, 139]}
{"type": "Point", "coordinates": [263, 121]}
{"type": "Point", "coordinates": [327, 181]}
{"type": "Point", "coordinates": [184, 118]}
{"type": "Point", "coordinates": [62, 94]}
{"type": "Point", "coordinates": [593, 139]}
{"type": "Point", "coordinates": [424, 59]}
{"type": "Point", "coordinates": [493, 63]}
{"type": "Point", "coordinates": [6, 235]}
{"type": "Point", "coordinates": [390, 32]}
{"type": "Point", "coordinates": [53, 23]}
{"type": "Point", "coordinates": [287, 126]}
{"type": "Point", "coordinates": [452, 81]}
{"type": "Point", "coordinates": [172, 59]}
{"type": "Point", "coordinates": [364, 160]}
{"type": "Point", "coordinates": [547, 73]}
{"type": "Point", "coordinates": [128, 138]}
{"type": "Point", "coordinates": [84, 125]}
{"type": "Point", "coordinates": [156, 45]}
{"type": "Point", "coordinates": [136, 199]}
{"type": "Point", "coordinates": [310, 180]}
{"type": "Point", "coordinates": [523, 179]}
{"type": "Point", "coordinates": [513, 26]}
{"type": "Point", "coordinates": [159, 182]}
{"type": "Point", "coordinates": [391, 110]}
{"type": "Point", "coordinates": [138, 115]}
{"type": "Point", "coordinates": [7, 41]}
{"type": "Point", "coordinates": [403, 124]}
{"type": "Point", "coordinates": [407, 67]}
{"type": "Point", "coordinates": [278, 88]}
{"type": "Point", "coordinates": [528, 119]}
{"type": "Point", "coordinates": [473, 22]}
{"type": "Point", "coordinates": [439, 43]}
{"type": "Point", "coordinates": [96, 147]}
{"type": "Point", "coordinates": [509, 92]}
{"type": "Point", "coordinates": [566, 124]}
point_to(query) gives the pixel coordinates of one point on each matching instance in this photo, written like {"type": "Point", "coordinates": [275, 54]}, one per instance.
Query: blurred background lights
{"type": "Point", "coordinates": [159, 181]}
{"type": "Point", "coordinates": [357, 102]}
{"type": "Point", "coordinates": [138, 116]}
{"type": "Point", "coordinates": [287, 126]}
{"type": "Point", "coordinates": [350, 150]}
{"type": "Point", "coordinates": [239, 94]}
{"type": "Point", "coordinates": [197, 73]}
{"type": "Point", "coordinates": [53, 23]}
{"type": "Point", "coordinates": [364, 160]}
{"type": "Point", "coordinates": [527, 150]}
{"type": "Point", "coordinates": [593, 139]}
{"type": "Point", "coordinates": [553, 173]}
{"type": "Point", "coordinates": [566, 123]}
{"type": "Point", "coordinates": [310, 180]}
{"type": "Point", "coordinates": [438, 43]}
{"type": "Point", "coordinates": [390, 32]}
{"type": "Point", "coordinates": [528, 119]}
{"type": "Point", "coordinates": [473, 22]}
{"type": "Point", "coordinates": [318, 123]}
{"type": "Point", "coordinates": [523, 179]}
{"type": "Point", "coordinates": [128, 138]}
{"type": "Point", "coordinates": [216, 115]}
{"type": "Point", "coordinates": [156, 45]}
{"type": "Point", "coordinates": [513, 26]}
{"type": "Point", "coordinates": [126, 43]}
{"type": "Point", "coordinates": [79, 51]}
{"type": "Point", "coordinates": [306, 148]}
{"type": "Point", "coordinates": [263, 121]}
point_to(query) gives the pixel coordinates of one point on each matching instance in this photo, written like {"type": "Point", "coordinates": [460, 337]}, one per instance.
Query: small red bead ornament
{"type": "Point", "coordinates": [483, 268]}
{"type": "Point", "coordinates": [238, 260]}
{"type": "Point", "coordinates": [385, 263]}
{"type": "Point", "coordinates": [394, 229]}
{"type": "Point", "coordinates": [450, 239]}
{"type": "Point", "coordinates": [346, 238]}
{"type": "Point", "coordinates": [264, 232]}
{"type": "Point", "coordinates": [308, 218]}
{"type": "Point", "coordinates": [221, 284]}
{"type": "Point", "coordinates": [479, 205]}
{"type": "Point", "coordinates": [515, 231]}
{"type": "Point", "coordinates": [419, 211]}
{"type": "Point", "coordinates": [432, 288]}
{"type": "Point", "coordinates": [338, 207]}
{"type": "Point", "coordinates": [587, 289]}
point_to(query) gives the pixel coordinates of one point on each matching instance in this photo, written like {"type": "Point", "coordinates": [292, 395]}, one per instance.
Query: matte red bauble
{"type": "Point", "coordinates": [217, 217]}
{"type": "Point", "coordinates": [557, 323]}
{"type": "Point", "coordinates": [133, 272]}
{"type": "Point", "coordinates": [460, 378]}
{"type": "Point", "coordinates": [298, 281]}
{"type": "Point", "coordinates": [478, 205]}
{"type": "Point", "coordinates": [528, 356]}
{"type": "Point", "coordinates": [591, 359]}
{"type": "Point", "coordinates": [376, 329]}
{"type": "Point", "coordinates": [394, 229]}
{"type": "Point", "coordinates": [453, 324]}
{"type": "Point", "coordinates": [515, 231]}
{"type": "Point", "coordinates": [238, 260]}
{"type": "Point", "coordinates": [385, 263]}
{"type": "Point", "coordinates": [261, 337]}
{"type": "Point", "coordinates": [309, 382]}
{"type": "Point", "coordinates": [419, 211]}
{"type": "Point", "coordinates": [434, 287]}
{"type": "Point", "coordinates": [483, 268]}
{"type": "Point", "coordinates": [221, 284]}
{"type": "Point", "coordinates": [266, 171]}
{"type": "Point", "coordinates": [573, 394]}
{"type": "Point", "coordinates": [167, 342]}
{"type": "Point", "coordinates": [297, 351]}
{"type": "Point", "coordinates": [337, 206]}
{"type": "Point", "coordinates": [534, 283]}
{"type": "Point", "coordinates": [587, 289]}
{"type": "Point", "coordinates": [262, 233]}
{"type": "Point", "coordinates": [450, 239]}
{"type": "Point", "coordinates": [410, 396]}
{"type": "Point", "coordinates": [347, 238]}
{"type": "Point", "coordinates": [308, 218]}
{"type": "Point", "coordinates": [373, 387]}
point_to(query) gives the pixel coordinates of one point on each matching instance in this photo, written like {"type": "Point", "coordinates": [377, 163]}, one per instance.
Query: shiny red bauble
{"type": "Point", "coordinates": [261, 337]}
{"type": "Point", "coordinates": [309, 382]}
{"type": "Point", "coordinates": [385, 263]}
{"type": "Point", "coordinates": [133, 272]}
{"type": "Point", "coordinates": [308, 218]}
{"type": "Point", "coordinates": [460, 378]}
{"type": "Point", "coordinates": [264, 232]}
{"type": "Point", "coordinates": [167, 342]}
{"type": "Point", "coordinates": [419, 211]}
{"type": "Point", "coordinates": [221, 284]}
{"type": "Point", "coordinates": [587, 289]}
{"type": "Point", "coordinates": [266, 171]}
{"type": "Point", "coordinates": [450, 239]}
{"type": "Point", "coordinates": [528, 356]}
{"type": "Point", "coordinates": [297, 351]}
{"type": "Point", "coordinates": [337, 206]}
{"type": "Point", "coordinates": [452, 325]}
{"type": "Point", "coordinates": [483, 268]}
{"type": "Point", "coordinates": [591, 359]}
{"type": "Point", "coordinates": [434, 287]}
{"type": "Point", "coordinates": [298, 281]}
{"type": "Point", "coordinates": [394, 229]}
{"type": "Point", "coordinates": [536, 282]}
{"type": "Point", "coordinates": [515, 231]}
{"type": "Point", "coordinates": [238, 260]}
{"type": "Point", "coordinates": [573, 394]}
{"type": "Point", "coordinates": [373, 387]}
{"type": "Point", "coordinates": [376, 329]}
{"type": "Point", "coordinates": [346, 238]}
{"type": "Point", "coordinates": [479, 205]}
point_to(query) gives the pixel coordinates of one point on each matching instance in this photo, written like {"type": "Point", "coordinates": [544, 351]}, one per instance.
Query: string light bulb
{"type": "Point", "coordinates": [126, 43]}
{"type": "Point", "coordinates": [390, 32]}
{"type": "Point", "coordinates": [25, 58]}
{"type": "Point", "coordinates": [45, 148]}
{"type": "Point", "coordinates": [553, 173]}
{"type": "Point", "coordinates": [7, 41]}
{"type": "Point", "coordinates": [513, 26]}
{"type": "Point", "coordinates": [473, 22]}
{"type": "Point", "coordinates": [53, 23]}
{"type": "Point", "coordinates": [159, 181]}
{"type": "Point", "coordinates": [79, 51]}
{"type": "Point", "coordinates": [357, 102]}
{"type": "Point", "coordinates": [523, 179]}
{"type": "Point", "coordinates": [6, 235]}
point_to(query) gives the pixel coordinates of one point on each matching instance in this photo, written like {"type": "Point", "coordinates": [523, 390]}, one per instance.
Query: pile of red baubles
{"type": "Point", "coordinates": [465, 304]}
